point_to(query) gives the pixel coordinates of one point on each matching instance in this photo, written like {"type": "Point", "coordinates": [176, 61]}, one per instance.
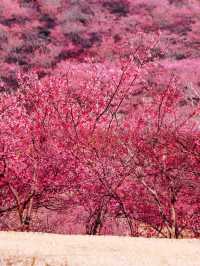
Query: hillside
{"type": "Point", "coordinates": [42, 35]}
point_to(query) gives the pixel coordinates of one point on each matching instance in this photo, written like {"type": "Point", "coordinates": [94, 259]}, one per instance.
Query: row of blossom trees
{"type": "Point", "coordinates": [96, 137]}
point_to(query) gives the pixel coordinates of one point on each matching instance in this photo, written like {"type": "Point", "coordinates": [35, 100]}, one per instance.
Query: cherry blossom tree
{"type": "Point", "coordinates": [102, 138]}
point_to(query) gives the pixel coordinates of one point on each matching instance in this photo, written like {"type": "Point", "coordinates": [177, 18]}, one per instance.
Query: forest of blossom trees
{"type": "Point", "coordinates": [100, 125]}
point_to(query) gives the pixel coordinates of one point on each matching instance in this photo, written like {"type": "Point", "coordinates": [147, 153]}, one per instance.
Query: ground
{"type": "Point", "coordinates": [37, 249]}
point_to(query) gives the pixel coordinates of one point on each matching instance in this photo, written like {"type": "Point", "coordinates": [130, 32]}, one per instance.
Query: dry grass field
{"type": "Point", "coordinates": [38, 249]}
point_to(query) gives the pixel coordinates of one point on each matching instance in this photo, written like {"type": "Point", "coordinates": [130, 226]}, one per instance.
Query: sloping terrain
{"type": "Point", "coordinates": [49, 249]}
{"type": "Point", "coordinates": [41, 35]}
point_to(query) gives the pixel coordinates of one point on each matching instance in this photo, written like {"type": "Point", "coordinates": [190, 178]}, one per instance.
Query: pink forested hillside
{"type": "Point", "coordinates": [41, 35]}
